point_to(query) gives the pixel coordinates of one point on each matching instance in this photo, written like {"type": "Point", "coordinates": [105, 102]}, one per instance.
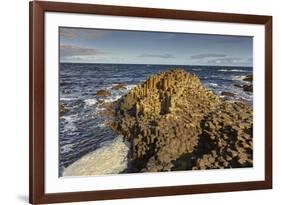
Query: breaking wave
{"type": "Point", "coordinates": [239, 77]}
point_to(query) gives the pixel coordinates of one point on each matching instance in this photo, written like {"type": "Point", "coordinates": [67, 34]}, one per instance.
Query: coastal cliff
{"type": "Point", "coordinates": [174, 123]}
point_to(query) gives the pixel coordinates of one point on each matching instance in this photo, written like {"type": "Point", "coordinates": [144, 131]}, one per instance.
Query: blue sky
{"type": "Point", "coordinates": [80, 45]}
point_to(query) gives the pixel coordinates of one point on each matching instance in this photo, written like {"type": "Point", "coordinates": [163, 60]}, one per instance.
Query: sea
{"type": "Point", "coordinates": [86, 145]}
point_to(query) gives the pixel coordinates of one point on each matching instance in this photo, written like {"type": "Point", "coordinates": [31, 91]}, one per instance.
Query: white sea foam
{"type": "Point", "coordinates": [213, 84]}
{"type": "Point", "coordinates": [112, 98]}
{"type": "Point", "coordinates": [118, 94]}
{"type": "Point", "coordinates": [101, 125]}
{"type": "Point", "coordinates": [111, 158]}
{"type": "Point", "coordinates": [90, 102]}
{"type": "Point", "coordinates": [70, 119]}
{"type": "Point", "coordinates": [66, 148]}
{"type": "Point", "coordinates": [129, 87]}
{"type": "Point", "coordinates": [97, 110]}
{"type": "Point", "coordinates": [68, 98]}
{"type": "Point", "coordinates": [239, 77]}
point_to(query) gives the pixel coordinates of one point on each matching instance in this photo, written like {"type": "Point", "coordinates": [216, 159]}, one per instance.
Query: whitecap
{"type": "Point", "coordinates": [111, 158]}
{"type": "Point", "coordinates": [90, 102]}
{"type": "Point", "coordinates": [231, 70]}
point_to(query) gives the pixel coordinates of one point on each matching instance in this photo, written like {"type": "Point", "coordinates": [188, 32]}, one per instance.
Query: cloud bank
{"type": "Point", "coordinates": [207, 55]}
{"type": "Point", "coordinates": [72, 50]}
{"type": "Point", "coordinates": [74, 33]}
{"type": "Point", "coordinates": [147, 55]}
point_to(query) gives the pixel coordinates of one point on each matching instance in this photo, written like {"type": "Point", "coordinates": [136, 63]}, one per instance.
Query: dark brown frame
{"type": "Point", "coordinates": [37, 194]}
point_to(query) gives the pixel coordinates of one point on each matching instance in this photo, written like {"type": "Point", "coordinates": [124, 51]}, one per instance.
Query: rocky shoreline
{"type": "Point", "coordinates": [174, 123]}
{"type": "Point", "coordinates": [247, 86]}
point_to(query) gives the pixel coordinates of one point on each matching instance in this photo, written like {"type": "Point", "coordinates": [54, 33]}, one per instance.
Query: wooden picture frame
{"type": "Point", "coordinates": [37, 193]}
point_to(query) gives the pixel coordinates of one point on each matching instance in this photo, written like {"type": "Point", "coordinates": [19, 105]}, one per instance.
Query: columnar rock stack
{"type": "Point", "coordinates": [165, 118]}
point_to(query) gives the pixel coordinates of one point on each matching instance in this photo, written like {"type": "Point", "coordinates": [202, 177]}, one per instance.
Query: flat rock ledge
{"type": "Point", "coordinates": [174, 123]}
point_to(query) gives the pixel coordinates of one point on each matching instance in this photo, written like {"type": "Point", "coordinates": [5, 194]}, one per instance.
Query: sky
{"type": "Point", "coordinates": [84, 45]}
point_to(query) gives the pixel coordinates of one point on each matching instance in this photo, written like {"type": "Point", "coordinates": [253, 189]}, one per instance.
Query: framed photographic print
{"type": "Point", "coordinates": [139, 102]}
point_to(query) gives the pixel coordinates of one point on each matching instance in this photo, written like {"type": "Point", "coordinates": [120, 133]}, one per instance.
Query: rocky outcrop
{"type": "Point", "coordinates": [248, 78]}
{"type": "Point", "coordinates": [103, 93]}
{"type": "Point", "coordinates": [228, 94]}
{"type": "Point", "coordinates": [119, 86]}
{"type": "Point", "coordinates": [63, 110]}
{"type": "Point", "coordinates": [238, 85]}
{"type": "Point", "coordinates": [174, 123]}
{"type": "Point", "coordinates": [246, 87]}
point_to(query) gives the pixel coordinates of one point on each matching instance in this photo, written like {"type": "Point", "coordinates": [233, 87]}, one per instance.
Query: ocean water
{"type": "Point", "coordinates": [84, 139]}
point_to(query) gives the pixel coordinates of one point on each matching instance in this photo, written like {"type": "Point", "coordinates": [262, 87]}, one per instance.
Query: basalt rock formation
{"type": "Point", "coordinates": [103, 93]}
{"type": "Point", "coordinates": [63, 110]}
{"type": "Point", "coordinates": [248, 87]}
{"type": "Point", "coordinates": [248, 78]}
{"type": "Point", "coordinates": [228, 94]}
{"type": "Point", "coordinates": [119, 86]}
{"type": "Point", "coordinates": [174, 123]}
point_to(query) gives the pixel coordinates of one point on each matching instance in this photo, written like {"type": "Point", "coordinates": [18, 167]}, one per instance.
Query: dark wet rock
{"type": "Point", "coordinates": [119, 86]}
{"type": "Point", "coordinates": [103, 93]}
{"type": "Point", "coordinates": [174, 123]}
{"type": "Point", "coordinates": [248, 78]}
{"type": "Point", "coordinates": [228, 94]}
{"type": "Point", "coordinates": [63, 110]}
{"type": "Point", "coordinates": [238, 85]}
{"type": "Point", "coordinates": [248, 88]}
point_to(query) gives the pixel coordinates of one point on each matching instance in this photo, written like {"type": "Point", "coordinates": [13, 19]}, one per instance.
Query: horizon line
{"type": "Point", "coordinates": [160, 64]}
